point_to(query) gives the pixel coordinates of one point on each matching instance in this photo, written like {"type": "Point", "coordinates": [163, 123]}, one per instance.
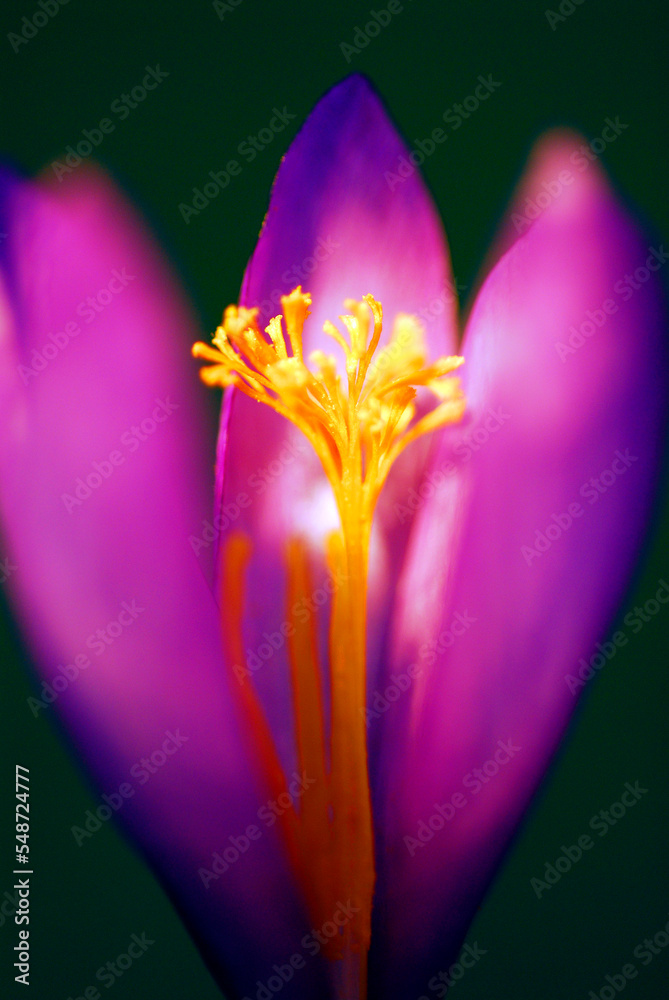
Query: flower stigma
{"type": "Point", "coordinates": [358, 426]}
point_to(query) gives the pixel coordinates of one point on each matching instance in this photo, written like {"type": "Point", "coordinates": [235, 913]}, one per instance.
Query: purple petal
{"type": "Point", "coordinates": [342, 222]}
{"type": "Point", "coordinates": [565, 378]}
{"type": "Point", "coordinates": [105, 476]}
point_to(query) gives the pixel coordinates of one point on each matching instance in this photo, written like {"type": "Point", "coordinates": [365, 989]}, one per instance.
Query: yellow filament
{"type": "Point", "coordinates": [357, 431]}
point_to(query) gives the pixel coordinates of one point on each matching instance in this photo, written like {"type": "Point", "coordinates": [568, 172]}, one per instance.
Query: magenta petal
{"type": "Point", "coordinates": [341, 223]}
{"type": "Point", "coordinates": [495, 617]}
{"type": "Point", "coordinates": [105, 474]}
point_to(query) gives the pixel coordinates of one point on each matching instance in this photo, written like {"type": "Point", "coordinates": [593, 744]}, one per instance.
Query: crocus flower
{"type": "Point", "coordinates": [353, 715]}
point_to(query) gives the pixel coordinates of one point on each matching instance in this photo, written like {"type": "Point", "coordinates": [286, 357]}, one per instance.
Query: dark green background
{"type": "Point", "coordinates": [225, 77]}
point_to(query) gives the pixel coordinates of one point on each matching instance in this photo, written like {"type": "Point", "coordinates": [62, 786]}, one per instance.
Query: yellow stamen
{"type": "Point", "coordinates": [357, 434]}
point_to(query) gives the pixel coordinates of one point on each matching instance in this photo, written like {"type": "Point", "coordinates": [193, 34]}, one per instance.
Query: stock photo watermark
{"type": "Point", "coordinates": [46, 10]}
{"type": "Point", "coordinates": [87, 310]}
{"type": "Point", "coordinates": [301, 611]}
{"type": "Point", "coordinates": [222, 7]}
{"type": "Point", "coordinates": [645, 952]}
{"type": "Point", "coordinates": [362, 36]}
{"type": "Point", "coordinates": [267, 815]}
{"type": "Point", "coordinates": [141, 771]}
{"type": "Point", "coordinates": [437, 305]}
{"type": "Point", "coordinates": [601, 823]}
{"type": "Point", "coordinates": [97, 642]}
{"type": "Point", "coordinates": [624, 288]}
{"type": "Point", "coordinates": [300, 272]}
{"type": "Point", "coordinates": [258, 482]}
{"type": "Point", "coordinates": [120, 107]}
{"type": "Point", "coordinates": [470, 441]}
{"type": "Point", "coordinates": [592, 491]}
{"type": "Point", "coordinates": [441, 983]}
{"type": "Point", "coordinates": [581, 158]}
{"type": "Point", "coordinates": [565, 10]}
{"type": "Point", "coordinates": [114, 969]}
{"type": "Point", "coordinates": [312, 943]}
{"type": "Point", "coordinates": [473, 782]}
{"type": "Point", "coordinates": [7, 568]}
{"type": "Point", "coordinates": [454, 117]}
{"type": "Point", "coordinates": [9, 906]}
{"type": "Point", "coordinates": [131, 439]}
{"type": "Point", "coordinates": [248, 149]}
{"type": "Point", "coordinates": [382, 700]}
{"type": "Point", "coordinates": [605, 651]}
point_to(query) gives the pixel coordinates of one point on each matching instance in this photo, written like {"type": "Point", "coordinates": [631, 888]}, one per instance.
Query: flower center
{"type": "Point", "coordinates": [357, 429]}
{"type": "Point", "coordinates": [357, 434]}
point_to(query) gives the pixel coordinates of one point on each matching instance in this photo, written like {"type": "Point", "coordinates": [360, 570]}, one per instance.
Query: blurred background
{"type": "Point", "coordinates": [222, 72]}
